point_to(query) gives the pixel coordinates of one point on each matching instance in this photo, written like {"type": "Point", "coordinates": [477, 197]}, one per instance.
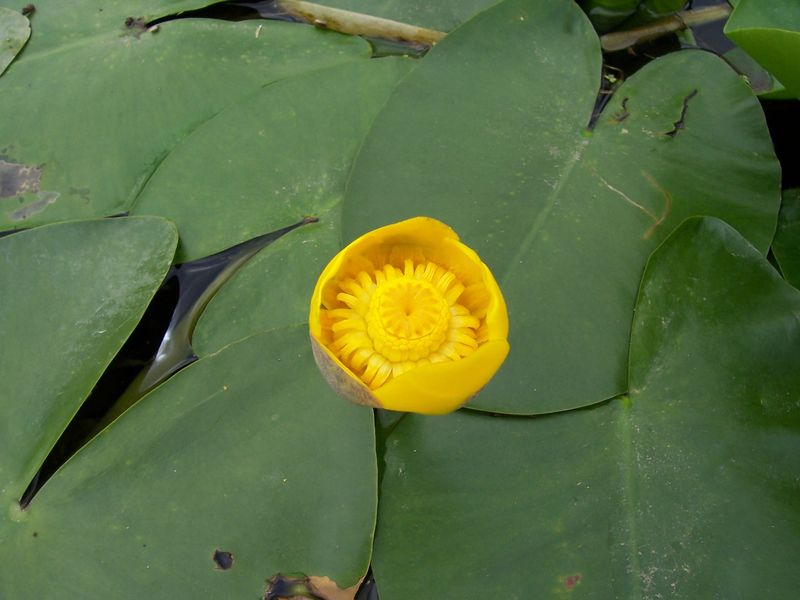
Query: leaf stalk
{"type": "Point", "coordinates": [354, 23]}
{"type": "Point", "coordinates": [620, 40]}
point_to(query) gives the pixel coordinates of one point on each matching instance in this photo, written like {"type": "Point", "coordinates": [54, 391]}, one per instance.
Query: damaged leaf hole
{"type": "Point", "coordinates": [222, 560]}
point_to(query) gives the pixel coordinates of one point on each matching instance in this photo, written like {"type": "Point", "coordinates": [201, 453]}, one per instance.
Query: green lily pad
{"type": "Point", "coordinates": [126, 98]}
{"type": "Point", "coordinates": [15, 29]}
{"type": "Point", "coordinates": [489, 134]}
{"type": "Point", "coordinates": [72, 293]}
{"type": "Point", "coordinates": [687, 489]}
{"type": "Point", "coordinates": [770, 33]}
{"type": "Point", "coordinates": [280, 154]}
{"type": "Point", "coordinates": [242, 466]}
{"type": "Point", "coordinates": [786, 245]}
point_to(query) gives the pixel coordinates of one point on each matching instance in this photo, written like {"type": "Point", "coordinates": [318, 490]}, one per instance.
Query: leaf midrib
{"type": "Point", "coordinates": [574, 158]}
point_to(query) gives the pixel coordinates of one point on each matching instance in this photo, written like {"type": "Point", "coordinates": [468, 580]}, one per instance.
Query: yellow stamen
{"type": "Point", "coordinates": [402, 315]}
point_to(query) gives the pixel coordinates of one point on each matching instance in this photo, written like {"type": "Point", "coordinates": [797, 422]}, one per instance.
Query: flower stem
{"type": "Point", "coordinates": [353, 23]}
{"type": "Point", "coordinates": [619, 40]}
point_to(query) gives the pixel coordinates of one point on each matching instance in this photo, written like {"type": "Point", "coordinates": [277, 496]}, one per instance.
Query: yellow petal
{"type": "Point", "coordinates": [441, 388]}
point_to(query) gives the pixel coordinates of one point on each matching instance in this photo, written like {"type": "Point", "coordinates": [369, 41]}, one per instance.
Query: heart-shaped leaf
{"type": "Point", "coordinates": [686, 489]}
{"type": "Point", "coordinates": [489, 134]}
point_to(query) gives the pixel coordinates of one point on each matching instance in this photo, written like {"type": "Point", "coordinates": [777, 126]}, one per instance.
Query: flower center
{"type": "Point", "coordinates": [391, 320]}
{"type": "Point", "coordinates": [407, 319]}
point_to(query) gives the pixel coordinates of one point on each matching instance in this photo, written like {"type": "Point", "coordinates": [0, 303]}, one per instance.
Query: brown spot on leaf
{"type": "Point", "coordinates": [300, 587]}
{"type": "Point", "coordinates": [349, 388]}
{"type": "Point", "coordinates": [326, 588]}
{"type": "Point", "coordinates": [667, 205]}
{"type": "Point", "coordinates": [16, 179]}
{"type": "Point", "coordinates": [135, 23]}
{"type": "Point", "coordinates": [571, 581]}
{"type": "Point", "coordinates": [135, 26]}
{"type": "Point", "coordinates": [223, 560]}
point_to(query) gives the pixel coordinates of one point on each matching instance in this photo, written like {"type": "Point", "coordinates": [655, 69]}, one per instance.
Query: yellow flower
{"type": "Point", "coordinates": [408, 318]}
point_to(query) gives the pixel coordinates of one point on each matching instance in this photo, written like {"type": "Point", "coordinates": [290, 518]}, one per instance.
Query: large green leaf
{"type": "Point", "coordinates": [770, 33]}
{"type": "Point", "coordinates": [282, 153]}
{"type": "Point", "coordinates": [687, 489]}
{"type": "Point", "coordinates": [126, 98]}
{"type": "Point", "coordinates": [786, 245]}
{"type": "Point", "coordinates": [71, 295]}
{"type": "Point", "coordinates": [246, 452]}
{"type": "Point", "coordinates": [14, 32]}
{"type": "Point", "coordinates": [489, 134]}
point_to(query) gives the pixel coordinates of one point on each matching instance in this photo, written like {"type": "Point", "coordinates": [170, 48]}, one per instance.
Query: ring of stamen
{"type": "Point", "coordinates": [407, 319]}
{"type": "Point", "coordinates": [391, 320]}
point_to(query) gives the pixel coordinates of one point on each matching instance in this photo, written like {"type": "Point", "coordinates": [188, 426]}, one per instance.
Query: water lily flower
{"type": "Point", "coordinates": [408, 318]}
